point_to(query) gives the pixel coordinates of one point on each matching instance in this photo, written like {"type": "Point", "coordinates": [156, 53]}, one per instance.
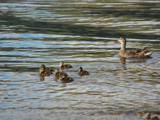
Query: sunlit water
{"type": "Point", "coordinates": [81, 33]}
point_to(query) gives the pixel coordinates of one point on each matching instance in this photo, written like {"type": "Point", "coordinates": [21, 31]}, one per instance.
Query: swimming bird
{"type": "Point", "coordinates": [45, 71]}
{"type": "Point", "coordinates": [66, 79]}
{"type": "Point", "coordinates": [134, 53]}
{"type": "Point", "coordinates": [148, 117]}
{"type": "Point", "coordinates": [64, 66]}
{"type": "Point", "coordinates": [155, 118]}
{"type": "Point", "coordinates": [58, 73]}
{"type": "Point", "coordinates": [82, 72]}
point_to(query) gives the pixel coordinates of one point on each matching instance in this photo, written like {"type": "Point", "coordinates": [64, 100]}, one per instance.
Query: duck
{"type": "Point", "coordinates": [82, 72]}
{"type": "Point", "coordinates": [134, 53]}
{"type": "Point", "coordinates": [62, 66]}
{"type": "Point", "coordinates": [58, 73]}
{"type": "Point", "coordinates": [45, 71]}
{"type": "Point", "coordinates": [66, 79]}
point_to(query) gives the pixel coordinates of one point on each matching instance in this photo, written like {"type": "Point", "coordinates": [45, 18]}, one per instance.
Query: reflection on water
{"type": "Point", "coordinates": [81, 33]}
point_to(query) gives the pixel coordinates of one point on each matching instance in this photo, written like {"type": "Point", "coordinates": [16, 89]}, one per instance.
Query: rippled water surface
{"type": "Point", "coordinates": [81, 33]}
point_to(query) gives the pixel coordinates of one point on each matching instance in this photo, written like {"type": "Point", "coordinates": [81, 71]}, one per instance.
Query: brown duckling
{"type": "Point", "coordinates": [45, 71]}
{"type": "Point", "coordinates": [58, 73]}
{"type": "Point", "coordinates": [135, 53]}
{"type": "Point", "coordinates": [155, 118]}
{"type": "Point", "coordinates": [148, 117]}
{"type": "Point", "coordinates": [82, 72]}
{"type": "Point", "coordinates": [62, 66]}
{"type": "Point", "coordinates": [66, 79]}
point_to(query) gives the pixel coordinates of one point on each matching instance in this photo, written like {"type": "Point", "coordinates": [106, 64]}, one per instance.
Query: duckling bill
{"type": "Point", "coordinates": [64, 66]}
{"type": "Point", "coordinates": [134, 53]}
{"type": "Point", "coordinates": [82, 72]}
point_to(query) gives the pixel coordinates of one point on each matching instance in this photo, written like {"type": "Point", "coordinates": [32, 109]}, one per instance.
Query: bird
{"type": "Point", "coordinates": [58, 73]}
{"type": "Point", "coordinates": [66, 79]}
{"type": "Point", "coordinates": [45, 71]}
{"type": "Point", "coordinates": [155, 118]}
{"type": "Point", "coordinates": [64, 66]}
{"type": "Point", "coordinates": [148, 117]}
{"type": "Point", "coordinates": [82, 72]}
{"type": "Point", "coordinates": [134, 53]}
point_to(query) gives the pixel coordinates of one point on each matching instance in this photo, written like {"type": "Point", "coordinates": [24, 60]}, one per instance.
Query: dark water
{"type": "Point", "coordinates": [81, 33]}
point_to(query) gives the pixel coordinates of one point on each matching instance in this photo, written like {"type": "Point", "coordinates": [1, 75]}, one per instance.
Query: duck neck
{"type": "Point", "coordinates": [123, 47]}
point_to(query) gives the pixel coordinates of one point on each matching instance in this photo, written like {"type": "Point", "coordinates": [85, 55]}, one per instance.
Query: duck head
{"type": "Point", "coordinates": [80, 69]}
{"type": "Point", "coordinates": [122, 40]}
{"type": "Point", "coordinates": [63, 76]}
{"type": "Point", "coordinates": [56, 70]}
{"type": "Point", "coordinates": [61, 63]}
{"type": "Point", "coordinates": [43, 66]}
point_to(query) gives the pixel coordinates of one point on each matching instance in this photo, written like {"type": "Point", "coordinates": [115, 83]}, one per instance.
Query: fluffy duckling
{"type": "Point", "coordinates": [135, 53]}
{"type": "Point", "coordinates": [155, 118]}
{"type": "Point", "coordinates": [66, 79]}
{"type": "Point", "coordinates": [82, 72]}
{"type": "Point", "coordinates": [148, 117]}
{"type": "Point", "coordinates": [58, 73]}
{"type": "Point", "coordinates": [45, 71]}
{"type": "Point", "coordinates": [62, 66]}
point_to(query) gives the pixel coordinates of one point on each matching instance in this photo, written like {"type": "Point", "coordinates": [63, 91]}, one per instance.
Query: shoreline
{"type": "Point", "coordinates": [52, 114]}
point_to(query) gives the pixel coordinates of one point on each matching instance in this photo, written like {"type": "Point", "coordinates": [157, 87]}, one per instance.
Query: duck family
{"type": "Point", "coordinates": [59, 73]}
{"type": "Point", "coordinates": [123, 52]}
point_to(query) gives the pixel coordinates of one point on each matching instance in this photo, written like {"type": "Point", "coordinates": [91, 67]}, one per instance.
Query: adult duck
{"type": "Point", "coordinates": [134, 53]}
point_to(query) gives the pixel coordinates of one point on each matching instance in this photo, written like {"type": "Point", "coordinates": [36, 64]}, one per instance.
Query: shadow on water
{"type": "Point", "coordinates": [123, 63]}
{"type": "Point", "coordinates": [68, 28]}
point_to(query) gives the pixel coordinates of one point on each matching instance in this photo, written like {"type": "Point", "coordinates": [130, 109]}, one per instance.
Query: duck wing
{"type": "Point", "coordinates": [138, 53]}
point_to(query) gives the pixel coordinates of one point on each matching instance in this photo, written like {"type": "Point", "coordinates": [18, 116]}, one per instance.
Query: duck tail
{"type": "Point", "coordinates": [148, 53]}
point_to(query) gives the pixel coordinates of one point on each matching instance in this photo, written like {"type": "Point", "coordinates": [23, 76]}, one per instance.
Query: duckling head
{"type": "Point", "coordinates": [61, 63]}
{"type": "Point", "coordinates": [80, 69]}
{"type": "Point", "coordinates": [63, 76]}
{"type": "Point", "coordinates": [43, 66]}
{"type": "Point", "coordinates": [56, 70]}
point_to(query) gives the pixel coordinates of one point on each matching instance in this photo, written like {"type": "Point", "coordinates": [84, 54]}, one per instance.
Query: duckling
{"type": "Point", "coordinates": [66, 79]}
{"type": "Point", "coordinates": [59, 73]}
{"type": "Point", "coordinates": [62, 66]}
{"type": "Point", "coordinates": [148, 117]}
{"type": "Point", "coordinates": [135, 53]}
{"type": "Point", "coordinates": [45, 71]}
{"type": "Point", "coordinates": [82, 72]}
{"type": "Point", "coordinates": [155, 118]}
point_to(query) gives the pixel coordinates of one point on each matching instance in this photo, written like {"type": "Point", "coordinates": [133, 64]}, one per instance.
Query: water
{"type": "Point", "coordinates": [81, 33]}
